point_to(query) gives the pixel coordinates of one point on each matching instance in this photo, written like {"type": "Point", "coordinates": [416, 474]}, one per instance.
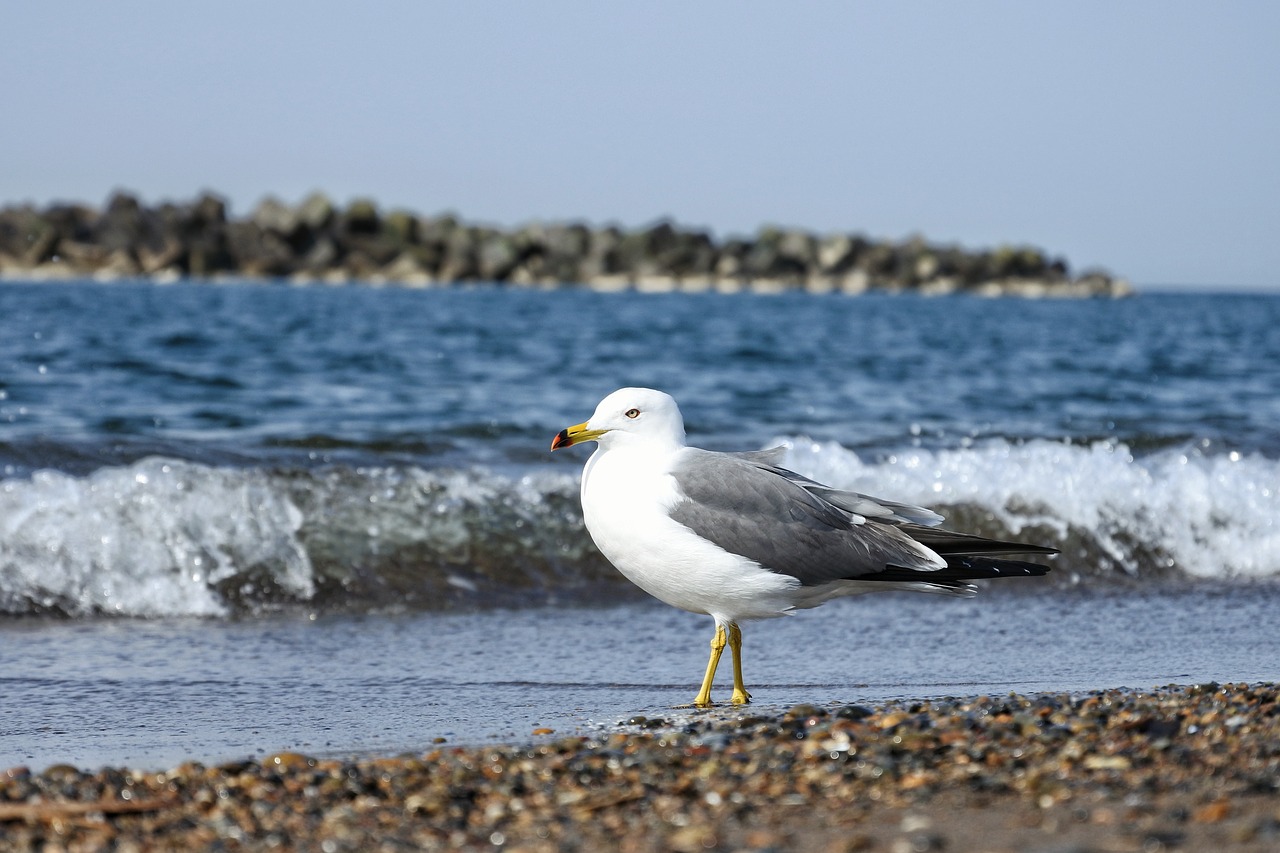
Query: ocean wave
{"type": "Point", "coordinates": [156, 538]}
{"type": "Point", "coordinates": [163, 537]}
{"type": "Point", "coordinates": [1183, 511]}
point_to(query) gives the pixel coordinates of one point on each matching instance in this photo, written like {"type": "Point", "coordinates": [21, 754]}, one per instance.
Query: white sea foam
{"type": "Point", "coordinates": [1209, 515]}
{"type": "Point", "coordinates": [163, 537]}
{"type": "Point", "coordinates": [151, 539]}
{"type": "Point", "coordinates": [168, 538]}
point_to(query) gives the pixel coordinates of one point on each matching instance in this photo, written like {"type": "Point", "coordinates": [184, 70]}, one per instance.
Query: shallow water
{"type": "Point", "coordinates": [152, 694]}
{"type": "Point", "coordinates": [253, 476]}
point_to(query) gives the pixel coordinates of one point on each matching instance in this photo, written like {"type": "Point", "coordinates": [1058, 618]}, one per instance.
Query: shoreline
{"type": "Point", "coordinates": [1179, 767]}
{"type": "Point", "coordinates": [317, 242]}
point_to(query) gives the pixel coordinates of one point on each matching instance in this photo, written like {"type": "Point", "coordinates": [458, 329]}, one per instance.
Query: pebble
{"type": "Point", "coordinates": [1172, 768]}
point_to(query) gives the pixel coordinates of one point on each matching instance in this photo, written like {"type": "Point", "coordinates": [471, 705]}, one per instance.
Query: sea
{"type": "Point", "coordinates": [239, 519]}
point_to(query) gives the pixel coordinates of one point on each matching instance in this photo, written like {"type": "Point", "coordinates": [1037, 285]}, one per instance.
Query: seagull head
{"type": "Point", "coordinates": [628, 416]}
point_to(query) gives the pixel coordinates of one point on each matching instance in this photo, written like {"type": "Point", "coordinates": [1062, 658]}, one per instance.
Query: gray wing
{"type": "Point", "coordinates": [853, 502]}
{"type": "Point", "coordinates": [858, 503]}
{"type": "Point", "coordinates": [750, 507]}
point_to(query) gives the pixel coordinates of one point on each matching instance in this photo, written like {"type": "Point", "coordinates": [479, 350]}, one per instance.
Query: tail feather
{"type": "Point", "coordinates": [948, 543]}
{"type": "Point", "coordinates": [959, 570]}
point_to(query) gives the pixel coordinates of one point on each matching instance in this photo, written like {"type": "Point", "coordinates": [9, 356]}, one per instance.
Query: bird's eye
{"type": "Point", "coordinates": [633, 413]}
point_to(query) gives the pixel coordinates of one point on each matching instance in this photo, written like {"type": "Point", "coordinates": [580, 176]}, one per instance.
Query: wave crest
{"type": "Point", "coordinates": [157, 538]}
{"type": "Point", "coordinates": [1179, 511]}
{"type": "Point", "coordinates": [162, 537]}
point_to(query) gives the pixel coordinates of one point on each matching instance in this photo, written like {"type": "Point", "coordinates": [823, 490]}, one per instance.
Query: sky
{"type": "Point", "coordinates": [1139, 137]}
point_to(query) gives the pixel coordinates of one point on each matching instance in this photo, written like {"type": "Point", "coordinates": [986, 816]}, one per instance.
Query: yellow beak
{"type": "Point", "coordinates": [575, 434]}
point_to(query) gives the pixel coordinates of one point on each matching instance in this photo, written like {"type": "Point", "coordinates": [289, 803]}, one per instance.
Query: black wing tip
{"type": "Point", "coordinates": [959, 570]}
{"type": "Point", "coordinates": [972, 568]}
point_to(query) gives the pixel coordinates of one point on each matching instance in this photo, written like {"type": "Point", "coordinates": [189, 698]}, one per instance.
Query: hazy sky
{"type": "Point", "coordinates": [1143, 137]}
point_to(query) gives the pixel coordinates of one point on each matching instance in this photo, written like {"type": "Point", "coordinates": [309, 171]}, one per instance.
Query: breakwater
{"type": "Point", "coordinates": [319, 241]}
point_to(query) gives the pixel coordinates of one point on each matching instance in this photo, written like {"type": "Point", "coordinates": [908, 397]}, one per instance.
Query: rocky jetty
{"type": "Point", "coordinates": [318, 241]}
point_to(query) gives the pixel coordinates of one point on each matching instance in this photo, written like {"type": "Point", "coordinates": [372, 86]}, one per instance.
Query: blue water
{"type": "Point", "coordinates": [93, 374]}
{"type": "Point", "coordinates": [236, 467]}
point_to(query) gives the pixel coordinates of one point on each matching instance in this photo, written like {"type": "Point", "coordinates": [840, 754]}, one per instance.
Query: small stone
{"type": "Point", "coordinates": [288, 761]}
{"type": "Point", "coordinates": [854, 712]}
{"type": "Point", "coordinates": [1214, 812]}
{"type": "Point", "coordinates": [803, 712]}
{"type": "Point", "coordinates": [59, 770]}
{"type": "Point", "coordinates": [691, 839]}
{"type": "Point", "coordinates": [1107, 762]}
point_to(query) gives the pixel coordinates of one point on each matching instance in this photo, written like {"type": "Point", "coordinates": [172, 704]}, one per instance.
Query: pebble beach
{"type": "Point", "coordinates": [1180, 767]}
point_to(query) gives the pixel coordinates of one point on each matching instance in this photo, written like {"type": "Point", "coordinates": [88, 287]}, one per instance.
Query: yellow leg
{"type": "Point", "coordinates": [740, 694]}
{"type": "Point", "coordinates": [717, 647]}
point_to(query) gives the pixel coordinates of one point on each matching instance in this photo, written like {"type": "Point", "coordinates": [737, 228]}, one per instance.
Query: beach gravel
{"type": "Point", "coordinates": [1175, 768]}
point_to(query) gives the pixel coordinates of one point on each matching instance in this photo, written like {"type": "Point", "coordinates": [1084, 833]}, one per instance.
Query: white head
{"type": "Point", "coordinates": [629, 415]}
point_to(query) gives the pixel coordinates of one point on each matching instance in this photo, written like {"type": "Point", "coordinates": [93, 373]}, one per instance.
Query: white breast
{"type": "Point", "coordinates": [627, 495]}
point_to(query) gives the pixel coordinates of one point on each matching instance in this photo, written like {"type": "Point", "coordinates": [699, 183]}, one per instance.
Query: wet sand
{"type": "Point", "coordinates": [1189, 767]}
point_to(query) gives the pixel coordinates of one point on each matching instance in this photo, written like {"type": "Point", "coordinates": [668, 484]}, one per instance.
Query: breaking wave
{"type": "Point", "coordinates": [163, 537]}
{"type": "Point", "coordinates": [1187, 511]}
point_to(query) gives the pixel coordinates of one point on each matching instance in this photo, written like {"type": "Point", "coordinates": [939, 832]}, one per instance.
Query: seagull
{"type": "Point", "coordinates": [736, 537]}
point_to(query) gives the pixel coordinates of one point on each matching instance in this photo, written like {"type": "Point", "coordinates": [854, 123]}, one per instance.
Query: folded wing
{"type": "Point", "coordinates": [749, 505]}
